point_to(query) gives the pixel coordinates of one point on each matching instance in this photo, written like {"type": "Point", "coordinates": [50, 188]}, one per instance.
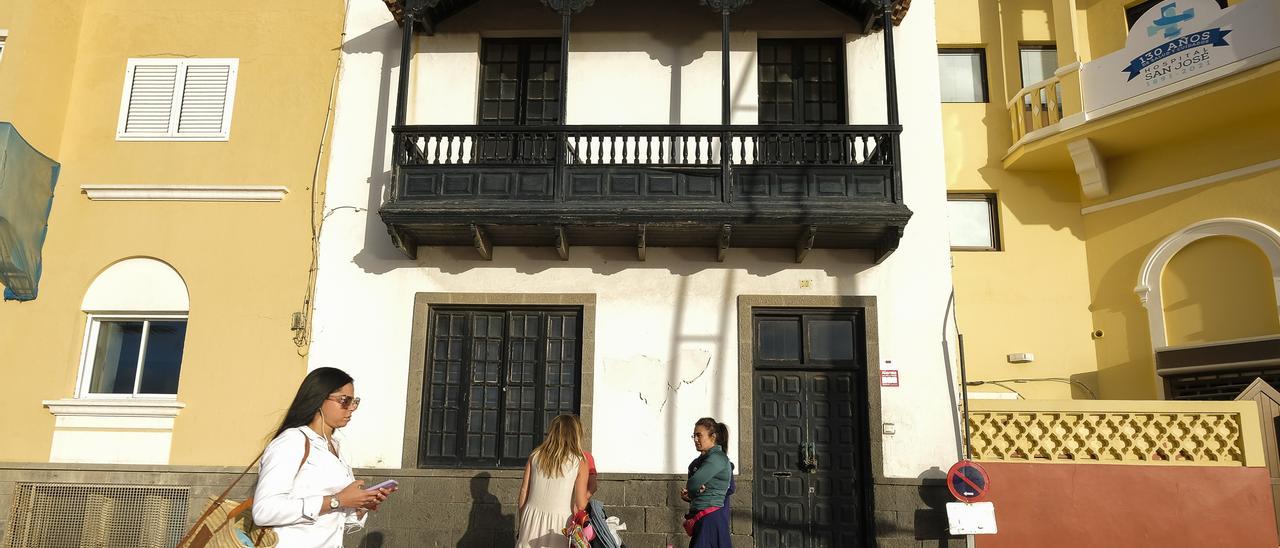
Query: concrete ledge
{"type": "Point", "coordinates": [185, 193]}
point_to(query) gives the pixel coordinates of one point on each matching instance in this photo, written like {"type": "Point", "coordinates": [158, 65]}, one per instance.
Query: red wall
{"type": "Point", "coordinates": [1129, 506]}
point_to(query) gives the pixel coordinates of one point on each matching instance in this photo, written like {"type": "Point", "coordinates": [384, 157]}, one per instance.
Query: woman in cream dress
{"type": "Point", "coordinates": [554, 486]}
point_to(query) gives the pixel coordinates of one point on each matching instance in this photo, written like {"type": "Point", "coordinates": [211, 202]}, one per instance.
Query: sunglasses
{"type": "Point", "coordinates": [346, 402]}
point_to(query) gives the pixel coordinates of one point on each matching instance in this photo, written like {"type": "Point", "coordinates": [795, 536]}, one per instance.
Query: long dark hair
{"type": "Point", "coordinates": [718, 429]}
{"type": "Point", "coordinates": [315, 388]}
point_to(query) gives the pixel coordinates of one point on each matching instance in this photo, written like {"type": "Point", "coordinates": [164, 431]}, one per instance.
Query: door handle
{"type": "Point", "coordinates": [782, 474]}
{"type": "Point", "coordinates": [809, 457]}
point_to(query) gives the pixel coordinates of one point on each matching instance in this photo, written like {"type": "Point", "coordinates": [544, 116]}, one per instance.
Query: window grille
{"type": "Point", "coordinates": [1218, 385]}
{"type": "Point", "coordinates": [801, 81]}
{"type": "Point", "coordinates": [494, 381]}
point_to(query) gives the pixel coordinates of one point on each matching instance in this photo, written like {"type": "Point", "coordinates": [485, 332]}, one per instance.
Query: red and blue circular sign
{"type": "Point", "coordinates": [968, 482]}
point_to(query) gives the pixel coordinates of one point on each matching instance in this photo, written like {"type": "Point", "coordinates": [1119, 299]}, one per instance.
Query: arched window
{"type": "Point", "coordinates": [136, 331]}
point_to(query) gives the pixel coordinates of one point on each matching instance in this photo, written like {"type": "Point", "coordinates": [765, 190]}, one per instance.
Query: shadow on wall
{"type": "Point", "coordinates": [1084, 386]}
{"type": "Point", "coordinates": [926, 526]}
{"type": "Point", "coordinates": [1126, 363]}
{"type": "Point", "coordinates": [486, 524]}
{"type": "Point", "coordinates": [679, 261]}
{"type": "Point", "coordinates": [378, 255]}
{"type": "Point", "coordinates": [1023, 198]}
{"type": "Point", "coordinates": [931, 522]}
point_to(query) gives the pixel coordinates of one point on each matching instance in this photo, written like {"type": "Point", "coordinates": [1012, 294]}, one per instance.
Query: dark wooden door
{"type": "Point", "coordinates": [810, 448]}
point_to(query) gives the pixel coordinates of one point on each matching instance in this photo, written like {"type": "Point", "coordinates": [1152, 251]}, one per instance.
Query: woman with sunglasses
{"type": "Point", "coordinates": [306, 490]}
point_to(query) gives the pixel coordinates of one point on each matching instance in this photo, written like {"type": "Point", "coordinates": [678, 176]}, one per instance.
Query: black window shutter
{"type": "Point", "coordinates": [495, 379]}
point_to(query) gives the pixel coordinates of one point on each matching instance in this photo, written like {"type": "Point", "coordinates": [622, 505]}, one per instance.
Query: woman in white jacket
{"type": "Point", "coordinates": [305, 490]}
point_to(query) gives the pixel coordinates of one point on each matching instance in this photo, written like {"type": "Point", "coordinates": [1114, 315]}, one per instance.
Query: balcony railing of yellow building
{"type": "Point", "coordinates": [1036, 107]}
{"type": "Point", "coordinates": [1195, 433]}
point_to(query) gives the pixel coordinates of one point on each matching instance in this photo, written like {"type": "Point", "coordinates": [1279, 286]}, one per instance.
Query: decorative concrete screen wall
{"type": "Point", "coordinates": [1184, 473]}
{"type": "Point", "coordinates": [1208, 433]}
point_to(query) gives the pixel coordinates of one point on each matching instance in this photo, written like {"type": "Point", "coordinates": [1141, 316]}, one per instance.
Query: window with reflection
{"type": "Point", "coordinates": [134, 356]}
{"type": "Point", "coordinates": [809, 338]}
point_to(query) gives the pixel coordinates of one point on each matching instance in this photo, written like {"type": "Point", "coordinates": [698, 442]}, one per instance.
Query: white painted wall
{"type": "Point", "coordinates": [669, 321]}
{"type": "Point", "coordinates": [110, 446]}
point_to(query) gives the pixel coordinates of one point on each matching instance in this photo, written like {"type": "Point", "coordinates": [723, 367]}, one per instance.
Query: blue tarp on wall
{"type": "Point", "coordinates": [27, 178]}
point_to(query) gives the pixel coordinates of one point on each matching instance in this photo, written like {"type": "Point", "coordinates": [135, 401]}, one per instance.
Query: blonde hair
{"type": "Point", "coordinates": [562, 446]}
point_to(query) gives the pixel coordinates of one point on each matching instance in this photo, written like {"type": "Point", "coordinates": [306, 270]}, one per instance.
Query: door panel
{"type": "Point", "coordinates": [781, 486]}
{"type": "Point", "coordinates": [796, 508]}
{"type": "Point", "coordinates": [833, 426]}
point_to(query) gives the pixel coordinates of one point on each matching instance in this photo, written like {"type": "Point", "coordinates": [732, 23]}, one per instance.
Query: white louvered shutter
{"type": "Point", "coordinates": [178, 99]}
{"type": "Point", "coordinates": [150, 106]}
{"type": "Point", "coordinates": [204, 100]}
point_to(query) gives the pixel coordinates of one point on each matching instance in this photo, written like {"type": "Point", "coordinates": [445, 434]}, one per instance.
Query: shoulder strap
{"type": "Point", "coordinates": [306, 452]}
{"type": "Point", "coordinates": [218, 502]}
{"type": "Point", "coordinates": [248, 503]}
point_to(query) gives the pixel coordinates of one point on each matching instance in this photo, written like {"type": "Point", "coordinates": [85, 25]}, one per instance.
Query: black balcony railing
{"type": "Point", "coordinates": [660, 146]}
{"type": "Point", "coordinates": [564, 148]}
{"type": "Point", "coordinates": [767, 185]}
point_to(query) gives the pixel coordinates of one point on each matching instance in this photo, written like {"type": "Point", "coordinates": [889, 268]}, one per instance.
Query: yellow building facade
{"type": "Point", "coordinates": [191, 138]}
{"type": "Point", "coordinates": [1127, 151]}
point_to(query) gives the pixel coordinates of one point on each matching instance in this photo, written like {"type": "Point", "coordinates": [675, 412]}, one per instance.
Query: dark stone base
{"type": "Point", "coordinates": [467, 508]}
{"type": "Point", "coordinates": [913, 514]}
{"type": "Point", "coordinates": [478, 509]}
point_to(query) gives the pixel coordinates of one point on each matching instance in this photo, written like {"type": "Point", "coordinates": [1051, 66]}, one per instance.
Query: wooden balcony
{"type": "Point", "coordinates": [800, 187]}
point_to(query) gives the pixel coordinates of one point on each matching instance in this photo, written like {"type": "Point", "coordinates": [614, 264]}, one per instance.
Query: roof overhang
{"type": "Point", "coordinates": [433, 12]}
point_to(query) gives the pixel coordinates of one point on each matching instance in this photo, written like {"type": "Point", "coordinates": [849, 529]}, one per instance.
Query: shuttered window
{"type": "Point", "coordinates": [495, 380]}
{"type": "Point", "coordinates": [177, 99]}
{"type": "Point", "coordinates": [801, 81]}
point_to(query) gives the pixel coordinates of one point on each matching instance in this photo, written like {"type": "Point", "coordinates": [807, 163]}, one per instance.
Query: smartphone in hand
{"type": "Point", "coordinates": [389, 484]}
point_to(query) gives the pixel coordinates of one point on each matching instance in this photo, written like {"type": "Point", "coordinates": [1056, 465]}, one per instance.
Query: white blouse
{"type": "Point", "coordinates": [288, 498]}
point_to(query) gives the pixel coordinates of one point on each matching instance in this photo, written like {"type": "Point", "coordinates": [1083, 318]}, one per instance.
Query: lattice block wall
{"type": "Point", "coordinates": [1069, 432]}
{"type": "Point", "coordinates": [63, 515]}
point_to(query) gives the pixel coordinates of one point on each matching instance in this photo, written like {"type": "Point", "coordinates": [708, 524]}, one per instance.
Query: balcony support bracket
{"type": "Point", "coordinates": [723, 245]}
{"type": "Point", "coordinates": [1090, 168]}
{"type": "Point", "coordinates": [404, 242]}
{"type": "Point", "coordinates": [481, 240]}
{"type": "Point", "coordinates": [562, 243]}
{"type": "Point", "coordinates": [888, 243]}
{"type": "Point", "coordinates": [641, 244]}
{"type": "Point", "coordinates": [805, 243]}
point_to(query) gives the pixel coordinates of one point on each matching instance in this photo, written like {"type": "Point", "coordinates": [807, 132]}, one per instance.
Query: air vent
{"type": "Point", "coordinates": [66, 515]}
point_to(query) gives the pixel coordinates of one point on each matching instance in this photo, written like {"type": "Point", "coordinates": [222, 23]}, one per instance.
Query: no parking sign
{"type": "Point", "coordinates": [967, 481]}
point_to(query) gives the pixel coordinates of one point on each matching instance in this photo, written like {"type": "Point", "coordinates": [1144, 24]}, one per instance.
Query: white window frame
{"type": "Point", "coordinates": [175, 108]}
{"type": "Point", "coordinates": [85, 377]}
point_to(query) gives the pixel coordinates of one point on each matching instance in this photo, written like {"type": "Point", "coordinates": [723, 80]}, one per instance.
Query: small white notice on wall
{"type": "Point", "coordinates": [971, 518]}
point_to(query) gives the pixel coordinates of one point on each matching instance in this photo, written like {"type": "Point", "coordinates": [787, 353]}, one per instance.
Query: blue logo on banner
{"type": "Point", "coordinates": [1170, 19]}
{"type": "Point", "coordinates": [1211, 37]}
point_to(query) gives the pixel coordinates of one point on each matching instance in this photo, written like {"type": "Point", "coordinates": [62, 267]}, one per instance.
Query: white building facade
{"type": "Point", "coordinates": [622, 254]}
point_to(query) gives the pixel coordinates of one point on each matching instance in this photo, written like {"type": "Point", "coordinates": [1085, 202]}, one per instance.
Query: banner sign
{"type": "Point", "coordinates": [1179, 39]}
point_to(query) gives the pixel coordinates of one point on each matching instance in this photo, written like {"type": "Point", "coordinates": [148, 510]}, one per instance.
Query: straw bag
{"type": "Point", "coordinates": [225, 522]}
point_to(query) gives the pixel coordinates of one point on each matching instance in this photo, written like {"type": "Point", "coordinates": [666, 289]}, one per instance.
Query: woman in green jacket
{"type": "Point", "coordinates": [707, 489]}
